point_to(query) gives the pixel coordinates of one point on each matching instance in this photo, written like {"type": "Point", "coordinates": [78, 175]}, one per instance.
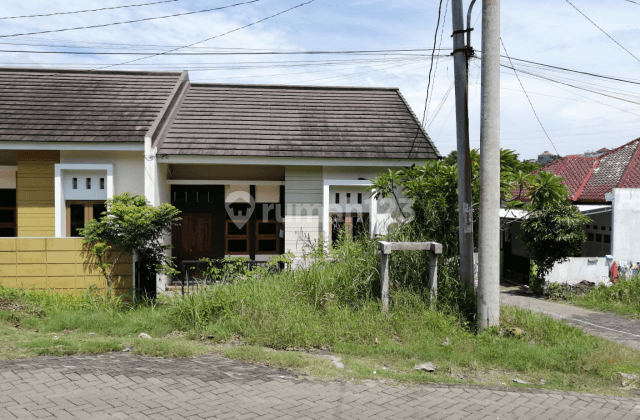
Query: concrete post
{"type": "Point", "coordinates": [465, 208]}
{"type": "Point", "coordinates": [433, 276]}
{"type": "Point", "coordinates": [489, 234]}
{"type": "Point", "coordinates": [384, 280]}
{"type": "Point", "coordinates": [386, 248]}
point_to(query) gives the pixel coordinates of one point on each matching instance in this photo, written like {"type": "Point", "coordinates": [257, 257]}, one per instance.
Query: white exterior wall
{"type": "Point", "coordinates": [81, 192]}
{"type": "Point", "coordinates": [599, 235]}
{"type": "Point", "coordinates": [303, 206]}
{"type": "Point", "coordinates": [387, 212]}
{"type": "Point", "coordinates": [577, 269]}
{"type": "Point", "coordinates": [626, 225]}
{"type": "Point", "coordinates": [128, 167]}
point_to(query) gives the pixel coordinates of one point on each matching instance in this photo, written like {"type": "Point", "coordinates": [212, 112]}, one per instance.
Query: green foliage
{"type": "Point", "coordinates": [130, 225]}
{"type": "Point", "coordinates": [552, 233]}
{"type": "Point", "coordinates": [508, 159]}
{"type": "Point", "coordinates": [331, 304]}
{"type": "Point", "coordinates": [49, 301]}
{"type": "Point", "coordinates": [233, 268]}
{"type": "Point", "coordinates": [225, 270]}
{"type": "Point", "coordinates": [347, 276]}
{"type": "Point", "coordinates": [541, 190]}
{"type": "Point", "coordinates": [434, 190]}
{"type": "Point", "coordinates": [622, 297]}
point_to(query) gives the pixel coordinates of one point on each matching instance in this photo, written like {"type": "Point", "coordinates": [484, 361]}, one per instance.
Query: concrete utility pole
{"type": "Point", "coordinates": [465, 209]}
{"type": "Point", "coordinates": [489, 234]}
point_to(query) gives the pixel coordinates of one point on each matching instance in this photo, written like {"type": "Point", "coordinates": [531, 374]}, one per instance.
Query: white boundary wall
{"type": "Point", "coordinates": [577, 269]}
{"type": "Point", "coordinates": [626, 225]}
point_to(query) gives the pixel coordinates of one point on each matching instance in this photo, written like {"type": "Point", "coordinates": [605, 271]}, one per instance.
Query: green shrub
{"type": "Point", "coordinates": [622, 297]}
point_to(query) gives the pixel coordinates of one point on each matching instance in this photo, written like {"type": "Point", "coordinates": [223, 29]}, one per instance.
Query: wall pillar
{"type": "Point", "coordinates": [35, 193]}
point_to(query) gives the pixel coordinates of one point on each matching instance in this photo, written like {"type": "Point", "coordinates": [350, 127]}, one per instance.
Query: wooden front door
{"type": "Point", "coordinates": [201, 231]}
{"type": "Point", "coordinates": [193, 239]}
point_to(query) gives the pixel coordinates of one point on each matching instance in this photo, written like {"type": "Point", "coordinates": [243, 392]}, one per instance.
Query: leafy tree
{"type": "Point", "coordinates": [434, 191]}
{"type": "Point", "coordinates": [509, 160]}
{"type": "Point", "coordinates": [130, 225]}
{"type": "Point", "coordinates": [552, 234]}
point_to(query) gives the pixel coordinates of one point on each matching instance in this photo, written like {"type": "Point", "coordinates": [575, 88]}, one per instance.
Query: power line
{"type": "Point", "coordinates": [617, 79]}
{"type": "Point", "coordinates": [603, 31]}
{"type": "Point", "coordinates": [90, 10]}
{"type": "Point", "coordinates": [235, 65]}
{"type": "Point", "coordinates": [130, 21]}
{"type": "Point", "coordinates": [435, 39]}
{"type": "Point", "coordinates": [439, 107]}
{"type": "Point", "coordinates": [576, 100]}
{"type": "Point", "coordinates": [376, 52]}
{"type": "Point", "coordinates": [570, 85]}
{"type": "Point", "coordinates": [354, 74]}
{"type": "Point", "coordinates": [435, 72]}
{"type": "Point", "coordinates": [426, 100]}
{"type": "Point", "coordinates": [213, 37]}
{"type": "Point", "coordinates": [634, 2]}
{"type": "Point", "coordinates": [529, 99]}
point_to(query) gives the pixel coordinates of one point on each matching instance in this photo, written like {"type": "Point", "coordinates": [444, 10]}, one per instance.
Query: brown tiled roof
{"type": "Point", "coordinates": [292, 121]}
{"type": "Point", "coordinates": [73, 105]}
{"type": "Point", "coordinates": [589, 179]}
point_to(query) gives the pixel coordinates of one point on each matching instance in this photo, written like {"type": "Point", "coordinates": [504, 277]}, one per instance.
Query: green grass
{"type": "Point", "coordinates": [622, 298]}
{"type": "Point", "coordinates": [285, 319]}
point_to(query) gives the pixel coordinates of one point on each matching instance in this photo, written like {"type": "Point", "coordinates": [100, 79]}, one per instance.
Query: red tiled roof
{"type": "Point", "coordinates": [589, 179]}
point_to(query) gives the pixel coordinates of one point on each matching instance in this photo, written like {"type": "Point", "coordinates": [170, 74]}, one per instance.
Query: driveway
{"type": "Point", "coordinates": [124, 386]}
{"type": "Point", "coordinates": [606, 325]}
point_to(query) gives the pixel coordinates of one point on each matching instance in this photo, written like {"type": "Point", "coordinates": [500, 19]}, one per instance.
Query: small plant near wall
{"type": "Point", "coordinates": [552, 234]}
{"type": "Point", "coordinates": [230, 269]}
{"type": "Point", "coordinates": [130, 224]}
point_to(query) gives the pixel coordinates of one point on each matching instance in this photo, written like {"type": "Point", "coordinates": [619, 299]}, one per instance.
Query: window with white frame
{"type": "Point", "coordinates": [349, 211]}
{"type": "Point", "coordinates": [81, 192]}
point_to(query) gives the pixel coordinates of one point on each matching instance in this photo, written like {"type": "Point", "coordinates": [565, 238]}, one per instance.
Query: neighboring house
{"type": "Point", "coordinates": [597, 153]}
{"type": "Point", "coordinates": [256, 170]}
{"type": "Point", "coordinates": [546, 157]}
{"type": "Point", "coordinates": [593, 182]}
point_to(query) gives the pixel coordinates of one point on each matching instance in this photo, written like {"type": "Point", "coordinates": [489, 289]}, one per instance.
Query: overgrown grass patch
{"type": "Point", "coordinates": [50, 323]}
{"type": "Point", "coordinates": [285, 319]}
{"type": "Point", "coordinates": [622, 298]}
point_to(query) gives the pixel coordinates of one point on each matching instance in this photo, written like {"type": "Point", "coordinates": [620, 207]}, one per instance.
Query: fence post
{"type": "Point", "coordinates": [386, 248]}
{"type": "Point", "coordinates": [385, 254]}
{"type": "Point", "coordinates": [433, 275]}
{"type": "Point", "coordinates": [384, 280]}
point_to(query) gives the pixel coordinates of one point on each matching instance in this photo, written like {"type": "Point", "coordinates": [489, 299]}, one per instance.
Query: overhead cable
{"type": "Point", "coordinates": [603, 31]}
{"type": "Point", "coordinates": [435, 72]}
{"type": "Point", "coordinates": [529, 99]}
{"type": "Point", "coordinates": [90, 10]}
{"type": "Point", "coordinates": [355, 52]}
{"type": "Point", "coordinates": [426, 100]}
{"type": "Point", "coordinates": [130, 21]}
{"type": "Point", "coordinates": [210, 38]}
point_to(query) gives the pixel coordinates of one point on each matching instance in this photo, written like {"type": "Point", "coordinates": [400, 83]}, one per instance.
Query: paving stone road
{"type": "Point", "coordinates": [612, 327]}
{"type": "Point", "coordinates": [123, 386]}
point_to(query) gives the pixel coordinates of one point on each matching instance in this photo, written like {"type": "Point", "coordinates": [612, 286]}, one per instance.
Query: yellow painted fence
{"type": "Point", "coordinates": [60, 264]}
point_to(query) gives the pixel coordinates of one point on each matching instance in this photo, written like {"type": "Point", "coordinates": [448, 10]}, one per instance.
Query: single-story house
{"type": "Point", "coordinates": [256, 170]}
{"type": "Point", "coordinates": [605, 188]}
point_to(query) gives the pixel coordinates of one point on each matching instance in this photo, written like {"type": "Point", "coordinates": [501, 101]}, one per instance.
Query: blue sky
{"type": "Point", "coordinates": [545, 31]}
